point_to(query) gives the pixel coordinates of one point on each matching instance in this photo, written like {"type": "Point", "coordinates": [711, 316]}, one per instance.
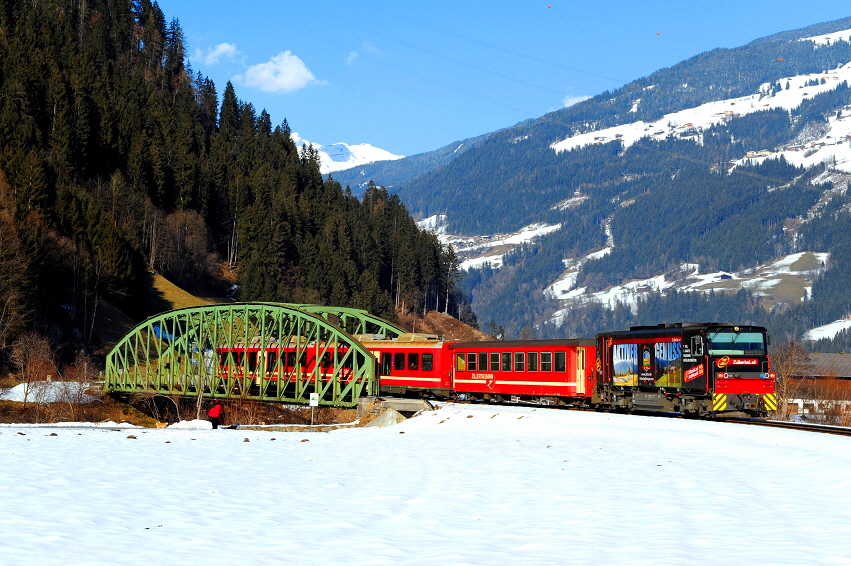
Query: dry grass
{"type": "Point", "coordinates": [13, 412]}
{"type": "Point", "coordinates": [165, 292]}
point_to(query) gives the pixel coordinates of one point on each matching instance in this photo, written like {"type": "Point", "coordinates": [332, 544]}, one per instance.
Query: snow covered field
{"type": "Point", "coordinates": [462, 485]}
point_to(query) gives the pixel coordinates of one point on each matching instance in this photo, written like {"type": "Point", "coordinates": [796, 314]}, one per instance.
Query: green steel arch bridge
{"type": "Point", "coordinates": [197, 351]}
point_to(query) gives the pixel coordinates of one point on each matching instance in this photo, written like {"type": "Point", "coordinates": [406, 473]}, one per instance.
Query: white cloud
{"type": "Point", "coordinates": [216, 53]}
{"type": "Point", "coordinates": [351, 58]}
{"type": "Point", "coordinates": [570, 100]}
{"type": "Point", "coordinates": [285, 72]}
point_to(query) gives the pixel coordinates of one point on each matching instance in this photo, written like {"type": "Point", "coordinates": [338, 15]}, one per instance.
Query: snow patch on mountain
{"type": "Point", "coordinates": [690, 123]}
{"type": "Point", "coordinates": [829, 38]}
{"type": "Point", "coordinates": [828, 330]}
{"type": "Point", "coordinates": [476, 251]}
{"type": "Point", "coordinates": [796, 271]}
{"type": "Point", "coordinates": [340, 156]}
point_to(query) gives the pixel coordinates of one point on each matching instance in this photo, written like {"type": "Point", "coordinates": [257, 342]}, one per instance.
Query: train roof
{"type": "Point", "coordinates": [519, 344]}
{"type": "Point", "coordinates": [674, 328]}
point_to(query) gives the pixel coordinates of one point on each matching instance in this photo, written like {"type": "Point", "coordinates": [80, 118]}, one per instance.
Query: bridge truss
{"type": "Point", "coordinates": [259, 351]}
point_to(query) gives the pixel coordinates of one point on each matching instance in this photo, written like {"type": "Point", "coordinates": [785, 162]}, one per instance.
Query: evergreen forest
{"type": "Point", "coordinates": [116, 160]}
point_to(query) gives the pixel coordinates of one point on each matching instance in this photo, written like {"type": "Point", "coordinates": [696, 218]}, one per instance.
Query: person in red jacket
{"type": "Point", "coordinates": [215, 413]}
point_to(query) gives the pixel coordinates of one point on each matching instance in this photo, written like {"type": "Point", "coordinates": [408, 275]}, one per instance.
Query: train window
{"type": "Point", "coordinates": [495, 361]}
{"type": "Point", "coordinates": [385, 363]}
{"type": "Point", "coordinates": [237, 358]}
{"type": "Point", "coordinates": [519, 361]}
{"type": "Point", "coordinates": [428, 362]}
{"type": "Point", "coordinates": [506, 361]}
{"type": "Point", "coordinates": [302, 359]}
{"type": "Point", "coordinates": [471, 362]}
{"type": "Point", "coordinates": [546, 361]}
{"type": "Point", "coordinates": [271, 358]}
{"type": "Point", "coordinates": [561, 361]}
{"type": "Point", "coordinates": [483, 361]}
{"type": "Point", "coordinates": [413, 362]}
{"type": "Point", "coordinates": [532, 361]}
{"type": "Point", "coordinates": [290, 359]}
{"type": "Point", "coordinates": [223, 359]}
{"type": "Point", "coordinates": [344, 360]}
{"type": "Point", "coordinates": [326, 360]}
{"type": "Point", "coordinates": [460, 362]}
{"type": "Point", "coordinates": [399, 361]}
{"type": "Point", "coordinates": [252, 361]}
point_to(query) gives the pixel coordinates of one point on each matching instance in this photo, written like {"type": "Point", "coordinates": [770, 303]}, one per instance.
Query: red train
{"type": "Point", "coordinates": [695, 369]}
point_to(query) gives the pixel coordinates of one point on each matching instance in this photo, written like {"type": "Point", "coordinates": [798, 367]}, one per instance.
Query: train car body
{"type": "Point", "coordinates": [298, 364]}
{"type": "Point", "coordinates": [411, 363]}
{"type": "Point", "coordinates": [697, 369]}
{"type": "Point", "coordinates": [548, 371]}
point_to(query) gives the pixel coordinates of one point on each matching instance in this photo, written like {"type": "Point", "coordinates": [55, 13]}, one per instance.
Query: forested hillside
{"type": "Point", "coordinates": [116, 159]}
{"type": "Point", "coordinates": [681, 195]}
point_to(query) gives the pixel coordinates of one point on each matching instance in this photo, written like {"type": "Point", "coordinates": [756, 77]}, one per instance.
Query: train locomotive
{"type": "Point", "coordinates": [701, 370]}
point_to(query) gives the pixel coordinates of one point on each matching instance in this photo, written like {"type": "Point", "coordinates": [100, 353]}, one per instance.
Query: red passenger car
{"type": "Point", "coordinates": [555, 370]}
{"type": "Point", "coordinates": [411, 363]}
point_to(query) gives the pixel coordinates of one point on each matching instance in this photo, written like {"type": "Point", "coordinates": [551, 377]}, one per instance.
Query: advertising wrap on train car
{"type": "Point", "coordinates": [693, 373]}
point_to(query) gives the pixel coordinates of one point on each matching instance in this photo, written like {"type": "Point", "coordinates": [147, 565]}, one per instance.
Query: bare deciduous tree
{"type": "Point", "coordinates": [35, 359]}
{"type": "Point", "coordinates": [791, 362]}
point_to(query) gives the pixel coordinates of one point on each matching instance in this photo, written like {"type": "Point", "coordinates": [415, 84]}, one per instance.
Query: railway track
{"type": "Point", "coordinates": [823, 429]}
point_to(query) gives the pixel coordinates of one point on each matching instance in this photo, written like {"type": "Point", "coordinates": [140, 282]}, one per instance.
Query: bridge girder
{"type": "Point", "coordinates": [354, 321]}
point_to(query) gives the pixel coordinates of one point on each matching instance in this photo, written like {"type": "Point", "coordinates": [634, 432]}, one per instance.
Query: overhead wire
{"type": "Point", "coordinates": [548, 117]}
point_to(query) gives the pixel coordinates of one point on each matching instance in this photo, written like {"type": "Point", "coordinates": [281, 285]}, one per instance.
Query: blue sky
{"type": "Point", "coordinates": [411, 77]}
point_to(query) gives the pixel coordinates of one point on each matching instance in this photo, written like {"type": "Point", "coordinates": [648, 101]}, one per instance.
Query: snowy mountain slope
{"type": "Point", "coordinates": [690, 124]}
{"type": "Point", "coordinates": [340, 156]}
{"type": "Point", "coordinates": [829, 38]}
{"type": "Point", "coordinates": [475, 251]}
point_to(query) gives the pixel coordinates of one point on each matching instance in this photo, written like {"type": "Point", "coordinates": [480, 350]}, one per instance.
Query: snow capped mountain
{"type": "Point", "coordinates": [340, 156]}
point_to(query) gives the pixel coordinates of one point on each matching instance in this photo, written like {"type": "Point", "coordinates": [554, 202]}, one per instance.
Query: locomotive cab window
{"type": "Point", "coordinates": [561, 361]}
{"type": "Point", "coordinates": [428, 362]}
{"type": "Point", "coordinates": [413, 362]}
{"type": "Point", "coordinates": [729, 343]}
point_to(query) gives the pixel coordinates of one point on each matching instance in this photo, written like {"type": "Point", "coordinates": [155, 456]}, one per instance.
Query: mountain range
{"type": "Point", "coordinates": [717, 168]}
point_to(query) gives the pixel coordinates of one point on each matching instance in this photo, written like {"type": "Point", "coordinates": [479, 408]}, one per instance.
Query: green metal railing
{"type": "Point", "coordinates": [238, 350]}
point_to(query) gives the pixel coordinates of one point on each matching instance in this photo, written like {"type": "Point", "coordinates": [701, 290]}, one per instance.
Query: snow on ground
{"type": "Point", "coordinates": [690, 123]}
{"type": "Point", "coordinates": [463, 485]}
{"type": "Point", "coordinates": [48, 392]}
{"type": "Point", "coordinates": [435, 224]}
{"type": "Point", "coordinates": [828, 330]}
{"type": "Point", "coordinates": [339, 156]}
{"type": "Point", "coordinates": [829, 38]}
